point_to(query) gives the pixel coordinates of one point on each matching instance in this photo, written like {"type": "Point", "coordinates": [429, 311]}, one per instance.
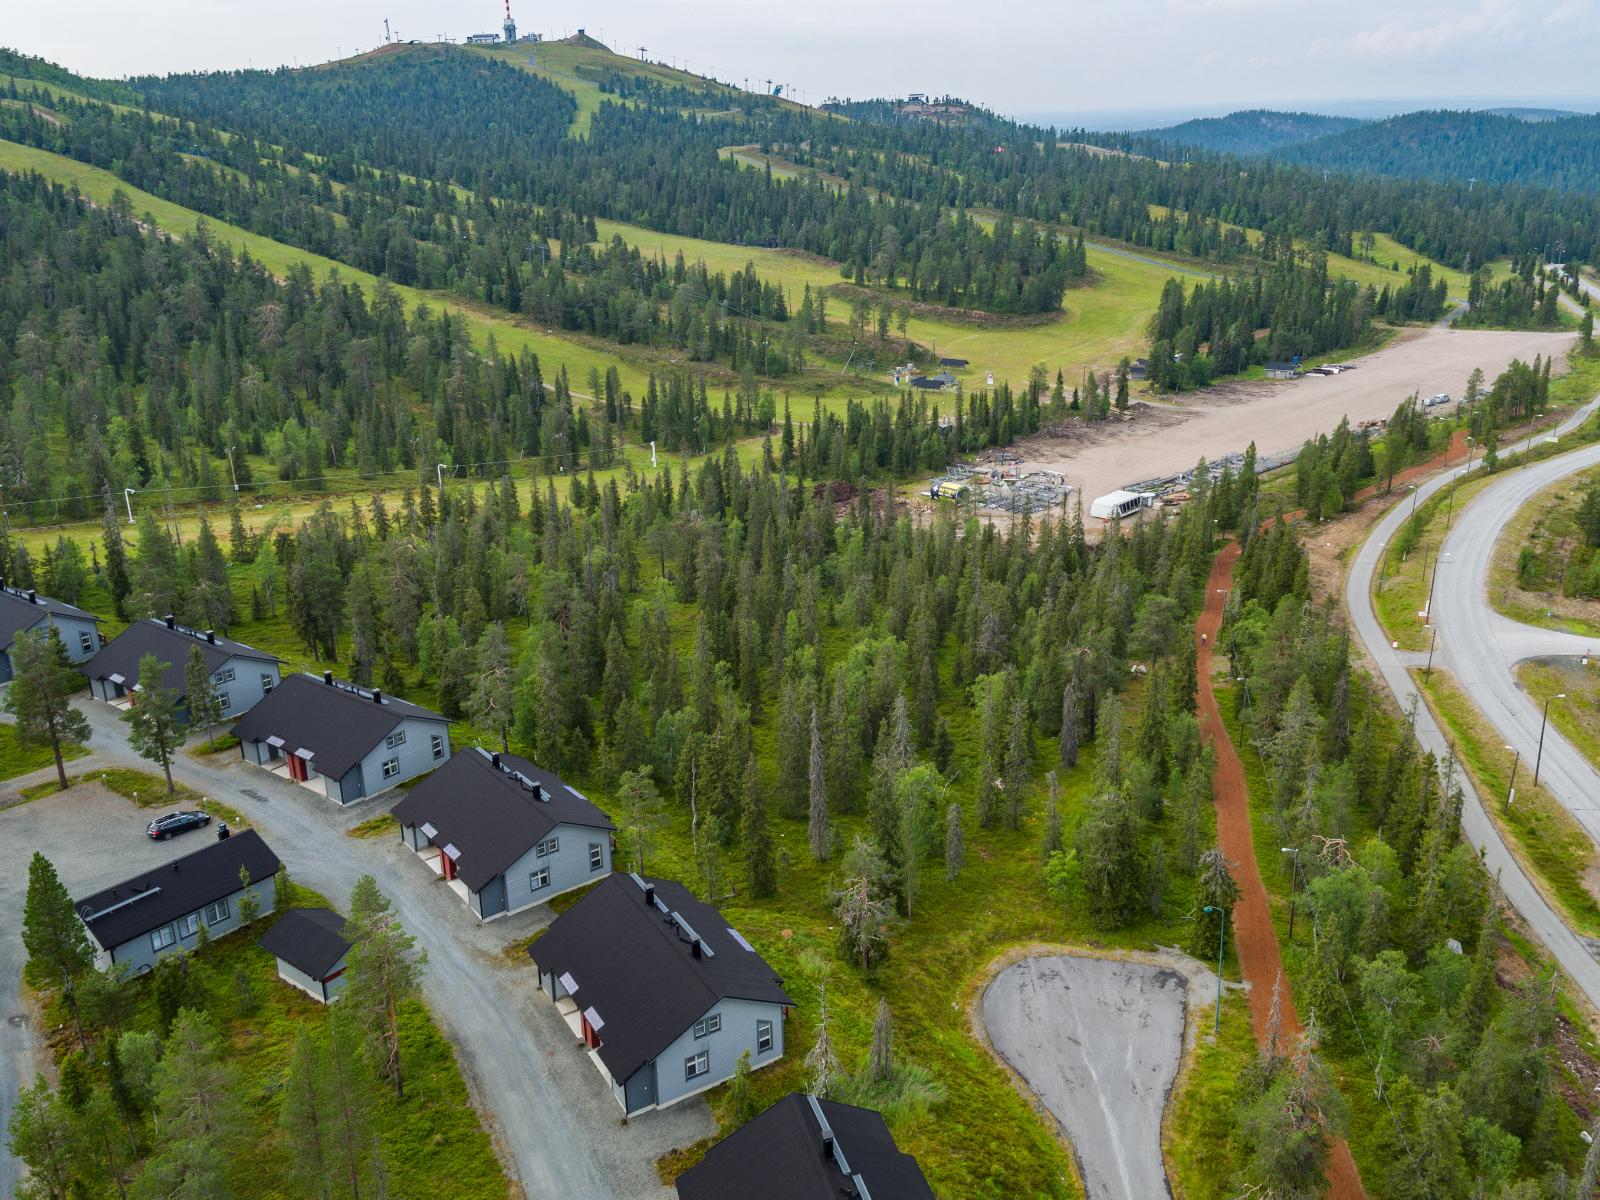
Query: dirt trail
{"type": "Point", "coordinates": [1254, 936]}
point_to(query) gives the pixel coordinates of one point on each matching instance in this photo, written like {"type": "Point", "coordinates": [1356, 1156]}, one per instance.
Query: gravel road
{"type": "Point", "coordinates": [1098, 1040]}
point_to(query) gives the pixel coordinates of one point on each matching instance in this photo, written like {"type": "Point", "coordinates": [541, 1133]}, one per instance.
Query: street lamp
{"type": "Point", "coordinates": [1433, 638]}
{"type": "Point", "coordinates": [1427, 609]}
{"type": "Point", "coordinates": [232, 474]}
{"type": "Point", "coordinates": [1222, 941]}
{"type": "Point", "coordinates": [1383, 563]}
{"type": "Point", "coordinates": [127, 498]}
{"type": "Point", "coordinates": [438, 471]}
{"type": "Point", "coordinates": [1413, 490]}
{"type": "Point", "coordinates": [1294, 874]}
{"type": "Point", "coordinates": [1539, 758]}
{"type": "Point", "coordinates": [1511, 789]}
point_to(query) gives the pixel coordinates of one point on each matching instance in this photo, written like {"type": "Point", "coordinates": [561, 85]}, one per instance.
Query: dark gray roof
{"type": "Point", "coordinates": [778, 1156]}
{"type": "Point", "coordinates": [184, 885]}
{"type": "Point", "coordinates": [21, 610]}
{"type": "Point", "coordinates": [491, 816]}
{"type": "Point", "coordinates": [121, 655]}
{"type": "Point", "coordinates": [310, 940]}
{"type": "Point", "coordinates": [338, 723]}
{"type": "Point", "coordinates": [1282, 366]}
{"type": "Point", "coordinates": [635, 966]}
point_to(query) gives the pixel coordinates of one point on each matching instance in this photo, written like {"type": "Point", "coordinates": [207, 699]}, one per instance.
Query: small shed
{"type": "Point", "coordinates": [1118, 504]}
{"type": "Point", "coordinates": [952, 362]}
{"type": "Point", "coordinates": [311, 950]}
{"type": "Point", "coordinates": [1283, 370]}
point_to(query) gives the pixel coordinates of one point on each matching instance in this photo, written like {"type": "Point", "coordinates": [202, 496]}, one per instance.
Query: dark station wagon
{"type": "Point", "coordinates": [177, 822]}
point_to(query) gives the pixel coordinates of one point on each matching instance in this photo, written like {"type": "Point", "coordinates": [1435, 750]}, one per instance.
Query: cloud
{"type": "Point", "coordinates": [1500, 20]}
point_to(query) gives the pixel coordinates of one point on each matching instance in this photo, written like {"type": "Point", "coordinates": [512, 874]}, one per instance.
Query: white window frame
{"type": "Point", "coordinates": [538, 879]}
{"type": "Point", "coordinates": [217, 911]}
{"type": "Point", "coordinates": [597, 856]}
{"type": "Point", "coordinates": [763, 1035]}
{"type": "Point", "coordinates": [267, 683]}
{"type": "Point", "coordinates": [189, 925]}
{"type": "Point", "coordinates": [223, 699]}
{"type": "Point", "coordinates": [161, 938]}
{"type": "Point", "coordinates": [438, 746]}
{"type": "Point", "coordinates": [397, 738]}
{"type": "Point", "coordinates": [391, 767]}
{"type": "Point", "coordinates": [697, 1065]}
{"type": "Point", "coordinates": [224, 676]}
{"type": "Point", "coordinates": [85, 641]}
{"type": "Point", "coordinates": [706, 1026]}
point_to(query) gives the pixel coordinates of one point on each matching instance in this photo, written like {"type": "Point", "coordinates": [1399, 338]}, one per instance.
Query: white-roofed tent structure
{"type": "Point", "coordinates": [1116, 505]}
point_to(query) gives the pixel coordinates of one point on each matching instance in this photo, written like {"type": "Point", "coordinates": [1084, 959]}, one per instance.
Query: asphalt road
{"type": "Point", "coordinates": [1098, 1041]}
{"type": "Point", "coordinates": [1480, 660]}
{"type": "Point", "coordinates": [558, 1129]}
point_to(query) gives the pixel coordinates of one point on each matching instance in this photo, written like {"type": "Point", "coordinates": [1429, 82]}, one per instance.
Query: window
{"type": "Point", "coordinates": [188, 925]}
{"type": "Point", "coordinates": [697, 1065]}
{"type": "Point", "coordinates": [547, 847]}
{"type": "Point", "coordinates": [597, 856]}
{"type": "Point", "coordinates": [763, 1036]}
{"type": "Point", "coordinates": [539, 879]}
{"type": "Point", "coordinates": [217, 912]}
{"type": "Point", "coordinates": [706, 1026]}
{"type": "Point", "coordinates": [438, 746]}
{"type": "Point", "coordinates": [391, 767]}
{"type": "Point", "coordinates": [224, 676]}
{"type": "Point", "coordinates": [397, 738]}
{"type": "Point", "coordinates": [86, 641]}
{"type": "Point", "coordinates": [267, 683]}
{"type": "Point", "coordinates": [223, 699]}
{"type": "Point", "coordinates": [163, 937]}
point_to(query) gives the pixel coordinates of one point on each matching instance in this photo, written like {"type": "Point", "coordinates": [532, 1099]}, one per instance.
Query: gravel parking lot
{"type": "Point", "coordinates": [1098, 1041]}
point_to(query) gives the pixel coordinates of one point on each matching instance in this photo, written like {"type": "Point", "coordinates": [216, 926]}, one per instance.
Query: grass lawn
{"type": "Point", "coordinates": [1545, 524]}
{"type": "Point", "coordinates": [1578, 716]}
{"type": "Point", "coordinates": [1557, 853]}
{"type": "Point", "coordinates": [19, 758]}
{"type": "Point", "coordinates": [1198, 1133]}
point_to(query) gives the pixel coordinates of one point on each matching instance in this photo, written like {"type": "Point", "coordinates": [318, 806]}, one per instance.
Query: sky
{"type": "Point", "coordinates": [1123, 59]}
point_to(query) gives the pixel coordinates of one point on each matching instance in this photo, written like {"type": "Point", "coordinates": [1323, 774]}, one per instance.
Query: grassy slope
{"type": "Point", "coordinates": [1546, 522]}
{"type": "Point", "coordinates": [18, 758]}
{"type": "Point", "coordinates": [1578, 716]}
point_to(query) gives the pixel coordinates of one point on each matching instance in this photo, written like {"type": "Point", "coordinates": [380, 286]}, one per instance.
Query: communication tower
{"type": "Point", "coordinates": [510, 26]}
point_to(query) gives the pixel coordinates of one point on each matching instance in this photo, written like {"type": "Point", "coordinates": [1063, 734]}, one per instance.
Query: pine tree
{"type": "Point", "coordinates": [641, 802]}
{"type": "Point", "coordinates": [154, 730]}
{"type": "Point", "coordinates": [197, 1093]}
{"type": "Point", "coordinates": [863, 905]}
{"type": "Point", "coordinates": [58, 946]}
{"type": "Point", "coordinates": [817, 831]}
{"type": "Point", "coordinates": [1217, 891]}
{"type": "Point", "coordinates": [489, 706]}
{"type": "Point", "coordinates": [1053, 839]}
{"type": "Point", "coordinates": [346, 1083]}
{"type": "Point", "coordinates": [1070, 720]}
{"type": "Point", "coordinates": [205, 706]}
{"type": "Point", "coordinates": [821, 1063]}
{"type": "Point", "coordinates": [304, 1118]}
{"type": "Point", "coordinates": [385, 971]}
{"type": "Point", "coordinates": [40, 696]}
{"type": "Point", "coordinates": [41, 1132]}
{"type": "Point", "coordinates": [955, 844]}
{"type": "Point", "coordinates": [880, 1058]}
{"type": "Point", "coordinates": [760, 866]}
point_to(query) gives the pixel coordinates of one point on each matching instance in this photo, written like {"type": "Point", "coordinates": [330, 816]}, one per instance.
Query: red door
{"type": "Point", "coordinates": [449, 866]}
{"type": "Point", "coordinates": [297, 767]}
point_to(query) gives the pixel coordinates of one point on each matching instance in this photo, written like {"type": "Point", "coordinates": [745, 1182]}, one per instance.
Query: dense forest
{"type": "Point", "coordinates": [1250, 132]}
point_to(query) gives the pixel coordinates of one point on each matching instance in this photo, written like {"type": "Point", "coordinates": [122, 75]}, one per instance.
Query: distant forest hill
{"type": "Point", "coordinates": [1526, 147]}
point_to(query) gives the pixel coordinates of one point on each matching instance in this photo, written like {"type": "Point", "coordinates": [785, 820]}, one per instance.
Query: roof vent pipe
{"type": "Point", "coordinates": [172, 621]}
{"type": "Point", "coordinates": [649, 894]}
{"type": "Point", "coordinates": [211, 636]}
{"type": "Point", "coordinates": [327, 678]}
{"type": "Point", "coordinates": [377, 696]}
{"type": "Point", "coordinates": [495, 759]}
{"type": "Point", "coordinates": [33, 596]}
{"type": "Point", "coordinates": [695, 949]}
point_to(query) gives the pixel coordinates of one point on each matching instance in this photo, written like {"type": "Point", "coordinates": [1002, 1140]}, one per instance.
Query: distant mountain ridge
{"type": "Point", "coordinates": [1250, 132]}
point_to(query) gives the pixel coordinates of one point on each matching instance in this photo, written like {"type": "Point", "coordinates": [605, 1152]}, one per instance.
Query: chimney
{"type": "Point", "coordinates": [495, 759]}
{"type": "Point", "coordinates": [327, 678]}
{"type": "Point", "coordinates": [377, 696]}
{"type": "Point", "coordinates": [694, 948]}
{"type": "Point", "coordinates": [649, 894]}
{"type": "Point", "coordinates": [211, 636]}
{"type": "Point", "coordinates": [172, 621]}
{"type": "Point", "coordinates": [33, 596]}
{"type": "Point", "coordinates": [830, 1148]}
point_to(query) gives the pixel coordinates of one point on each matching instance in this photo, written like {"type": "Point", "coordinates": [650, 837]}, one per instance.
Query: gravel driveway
{"type": "Point", "coordinates": [1098, 1040]}
{"type": "Point", "coordinates": [559, 1132]}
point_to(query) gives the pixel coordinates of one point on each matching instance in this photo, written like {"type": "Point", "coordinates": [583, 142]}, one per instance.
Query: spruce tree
{"type": "Point", "coordinates": [385, 971]}
{"type": "Point", "coordinates": [817, 830]}
{"type": "Point", "coordinates": [205, 706]}
{"type": "Point", "coordinates": [57, 942]}
{"type": "Point", "coordinates": [154, 730]}
{"type": "Point", "coordinates": [955, 845]}
{"type": "Point", "coordinates": [760, 866]}
{"type": "Point", "coordinates": [40, 696]}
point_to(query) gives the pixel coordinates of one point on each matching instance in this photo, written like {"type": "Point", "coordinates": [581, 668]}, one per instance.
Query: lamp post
{"type": "Point", "coordinates": [127, 498]}
{"type": "Point", "coordinates": [438, 471]}
{"type": "Point", "coordinates": [1413, 490]}
{"type": "Point", "coordinates": [1427, 608]}
{"type": "Point", "coordinates": [1222, 941]}
{"type": "Point", "coordinates": [1545, 720]}
{"type": "Point", "coordinates": [1294, 875]}
{"type": "Point", "coordinates": [1511, 788]}
{"type": "Point", "coordinates": [1433, 638]}
{"type": "Point", "coordinates": [1383, 563]}
{"type": "Point", "coordinates": [232, 474]}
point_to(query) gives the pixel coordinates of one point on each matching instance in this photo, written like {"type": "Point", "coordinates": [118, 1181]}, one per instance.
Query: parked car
{"type": "Point", "coordinates": [178, 822]}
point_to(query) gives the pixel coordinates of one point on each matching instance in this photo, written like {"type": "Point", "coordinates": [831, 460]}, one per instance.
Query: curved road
{"type": "Point", "coordinates": [1486, 645]}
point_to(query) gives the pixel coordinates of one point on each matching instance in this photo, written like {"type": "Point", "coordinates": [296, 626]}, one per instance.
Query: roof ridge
{"type": "Point", "coordinates": [696, 965]}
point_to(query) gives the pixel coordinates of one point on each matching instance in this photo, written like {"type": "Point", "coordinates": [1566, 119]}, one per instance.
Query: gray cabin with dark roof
{"type": "Point", "coordinates": [240, 675]}
{"type": "Point", "coordinates": [344, 741]}
{"type": "Point", "coordinates": [807, 1148]}
{"type": "Point", "coordinates": [155, 913]}
{"type": "Point", "coordinates": [23, 610]}
{"type": "Point", "coordinates": [503, 833]}
{"type": "Point", "coordinates": [664, 994]}
{"type": "Point", "coordinates": [311, 950]}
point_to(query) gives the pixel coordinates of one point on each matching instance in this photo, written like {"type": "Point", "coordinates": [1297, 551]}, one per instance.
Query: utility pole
{"type": "Point", "coordinates": [1511, 789]}
{"type": "Point", "coordinates": [127, 498]}
{"type": "Point", "coordinates": [1222, 941]}
{"type": "Point", "coordinates": [1545, 720]}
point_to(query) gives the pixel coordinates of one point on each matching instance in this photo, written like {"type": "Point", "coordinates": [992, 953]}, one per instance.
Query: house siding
{"type": "Point", "coordinates": [245, 688]}
{"type": "Point", "coordinates": [313, 987]}
{"type": "Point", "coordinates": [569, 866]}
{"type": "Point", "coordinates": [738, 1034]}
{"type": "Point", "coordinates": [415, 755]}
{"type": "Point", "coordinates": [139, 955]}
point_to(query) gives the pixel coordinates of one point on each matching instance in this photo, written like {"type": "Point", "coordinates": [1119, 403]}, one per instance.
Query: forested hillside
{"type": "Point", "coordinates": [1255, 131]}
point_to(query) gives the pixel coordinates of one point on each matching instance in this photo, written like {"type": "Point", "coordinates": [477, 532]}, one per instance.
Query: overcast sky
{"type": "Point", "coordinates": [1022, 57]}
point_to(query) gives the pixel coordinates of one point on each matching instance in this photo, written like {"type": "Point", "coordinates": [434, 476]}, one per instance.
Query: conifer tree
{"type": "Point", "coordinates": [205, 706]}
{"type": "Point", "coordinates": [760, 867]}
{"type": "Point", "coordinates": [154, 730]}
{"type": "Point", "coordinates": [817, 831]}
{"type": "Point", "coordinates": [955, 843]}
{"type": "Point", "coordinates": [385, 972]}
{"type": "Point", "coordinates": [40, 696]}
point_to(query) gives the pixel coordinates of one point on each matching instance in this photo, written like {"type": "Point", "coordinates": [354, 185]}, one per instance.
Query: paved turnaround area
{"type": "Point", "coordinates": [1486, 673]}
{"type": "Point", "coordinates": [1098, 1040]}
{"type": "Point", "coordinates": [554, 1121]}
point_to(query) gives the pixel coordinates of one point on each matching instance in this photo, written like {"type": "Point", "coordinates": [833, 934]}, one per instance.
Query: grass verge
{"type": "Point", "coordinates": [1198, 1134]}
{"type": "Point", "coordinates": [22, 758]}
{"type": "Point", "coordinates": [1578, 718]}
